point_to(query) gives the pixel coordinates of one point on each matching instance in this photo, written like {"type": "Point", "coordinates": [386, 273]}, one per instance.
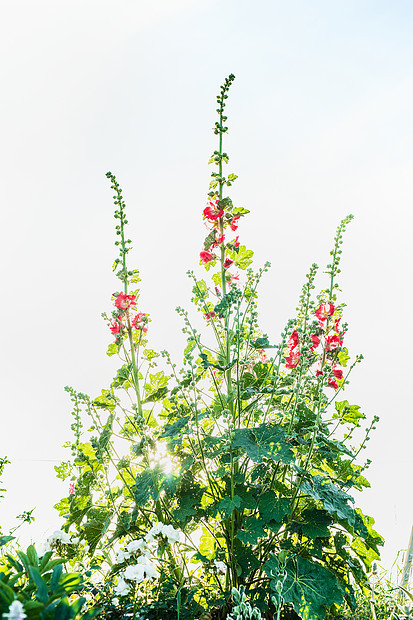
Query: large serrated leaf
{"type": "Point", "coordinates": [264, 441]}
{"type": "Point", "coordinates": [253, 530]}
{"type": "Point", "coordinates": [273, 508]}
{"type": "Point", "coordinates": [309, 587]}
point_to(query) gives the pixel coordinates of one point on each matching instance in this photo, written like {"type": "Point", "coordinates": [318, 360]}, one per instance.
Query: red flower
{"type": "Point", "coordinates": [218, 240]}
{"type": "Point", "coordinates": [139, 322]}
{"type": "Point", "coordinates": [212, 211]}
{"type": "Point", "coordinates": [236, 242]}
{"type": "Point", "coordinates": [116, 326]}
{"type": "Point", "coordinates": [293, 340]}
{"type": "Point", "coordinates": [333, 342]}
{"type": "Point", "coordinates": [123, 302]}
{"type": "Point", "coordinates": [228, 262]}
{"type": "Point", "coordinates": [338, 373]}
{"type": "Point", "coordinates": [231, 278]}
{"type": "Point", "coordinates": [332, 383]}
{"type": "Point", "coordinates": [71, 488]}
{"type": "Point", "coordinates": [315, 340]}
{"type": "Point", "coordinates": [263, 356]}
{"type": "Point", "coordinates": [293, 359]}
{"type": "Point", "coordinates": [206, 256]}
{"type": "Point", "coordinates": [234, 222]}
{"type": "Point", "coordinates": [319, 373]}
{"type": "Point", "coordinates": [209, 315]}
{"type": "Point", "coordinates": [324, 311]}
{"type": "Point", "coordinates": [337, 324]}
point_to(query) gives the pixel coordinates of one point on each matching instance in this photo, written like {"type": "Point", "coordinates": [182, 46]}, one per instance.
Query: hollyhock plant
{"type": "Point", "coordinates": [233, 471]}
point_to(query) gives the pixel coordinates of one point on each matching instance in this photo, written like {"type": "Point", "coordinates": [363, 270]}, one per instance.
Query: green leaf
{"type": "Point", "coordinates": [41, 592]}
{"type": "Point", "coordinates": [157, 395]}
{"type": "Point", "coordinates": [263, 343]}
{"type": "Point", "coordinates": [264, 441]}
{"type": "Point", "coordinates": [96, 526]}
{"type": "Point", "coordinates": [5, 539]}
{"type": "Point", "coordinates": [309, 587]}
{"type": "Point", "coordinates": [348, 414]}
{"type": "Point", "coordinates": [245, 559]}
{"type": "Point", "coordinates": [57, 573]}
{"type": "Point", "coordinates": [105, 401]}
{"type": "Point", "coordinates": [32, 556]}
{"type": "Point", "coordinates": [343, 357]}
{"type": "Point", "coordinates": [314, 523]}
{"type": "Point", "coordinates": [273, 508]}
{"type": "Point", "coordinates": [253, 530]}
{"type": "Point", "coordinates": [144, 488]}
{"type": "Point", "coordinates": [228, 505]}
{"type": "Point", "coordinates": [333, 498]}
{"type": "Point", "coordinates": [112, 350]}
{"type": "Point", "coordinates": [243, 258]}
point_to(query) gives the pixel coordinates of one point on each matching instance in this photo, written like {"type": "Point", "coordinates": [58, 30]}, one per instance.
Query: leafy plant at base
{"type": "Point", "coordinates": [249, 457]}
{"type": "Point", "coordinates": [38, 588]}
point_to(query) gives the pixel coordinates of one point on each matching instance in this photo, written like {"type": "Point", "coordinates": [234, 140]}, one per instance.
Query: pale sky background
{"type": "Point", "coordinates": [321, 125]}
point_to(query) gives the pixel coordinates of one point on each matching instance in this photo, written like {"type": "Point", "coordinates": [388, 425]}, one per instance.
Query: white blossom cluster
{"type": "Point", "coordinates": [59, 536]}
{"type": "Point", "coordinates": [16, 611]}
{"type": "Point", "coordinates": [141, 550]}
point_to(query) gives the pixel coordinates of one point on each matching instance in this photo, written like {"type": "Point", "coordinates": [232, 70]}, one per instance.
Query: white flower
{"type": "Point", "coordinates": [122, 588]}
{"type": "Point", "coordinates": [221, 566]}
{"type": "Point", "coordinates": [122, 555]}
{"type": "Point", "coordinates": [136, 545]}
{"type": "Point", "coordinates": [171, 533]}
{"type": "Point", "coordinates": [134, 573]}
{"type": "Point", "coordinates": [16, 611]}
{"type": "Point", "coordinates": [75, 540]}
{"type": "Point", "coordinates": [115, 602]}
{"type": "Point", "coordinates": [154, 531]}
{"type": "Point", "coordinates": [150, 569]}
{"type": "Point", "coordinates": [57, 536]}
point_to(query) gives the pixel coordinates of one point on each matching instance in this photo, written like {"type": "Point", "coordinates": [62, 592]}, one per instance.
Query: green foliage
{"type": "Point", "coordinates": [42, 587]}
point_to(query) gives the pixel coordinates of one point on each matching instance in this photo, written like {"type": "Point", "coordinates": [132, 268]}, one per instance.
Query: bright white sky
{"type": "Point", "coordinates": [320, 121]}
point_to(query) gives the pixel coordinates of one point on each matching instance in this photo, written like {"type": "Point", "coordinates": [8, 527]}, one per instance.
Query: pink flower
{"type": "Point", "coordinates": [234, 222]}
{"type": "Point", "coordinates": [116, 326]}
{"type": "Point", "coordinates": [338, 373]}
{"type": "Point", "coordinates": [139, 322]}
{"type": "Point", "coordinates": [71, 488]}
{"type": "Point", "coordinates": [324, 311]}
{"type": "Point", "coordinates": [293, 340]}
{"type": "Point", "coordinates": [231, 278]}
{"type": "Point", "coordinates": [228, 262]}
{"type": "Point", "coordinates": [332, 383]}
{"type": "Point", "coordinates": [293, 359]}
{"type": "Point", "coordinates": [218, 240]}
{"type": "Point", "coordinates": [315, 340]}
{"type": "Point", "coordinates": [123, 302]}
{"type": "Point", "coordinates": [263, 356]}
{"type": "Point", "coordinates": [212, 212]}
{"type": "Point", "coordinates": [333, 342]}
{"type": "Point", "coordinates": [209, 315]}
{"type": "Point", "coordinates": [206, 256]}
